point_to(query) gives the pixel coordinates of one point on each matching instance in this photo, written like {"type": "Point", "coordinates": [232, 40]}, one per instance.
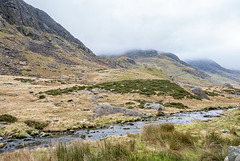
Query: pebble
{"type": "Point", "coordinates": [2, 99]}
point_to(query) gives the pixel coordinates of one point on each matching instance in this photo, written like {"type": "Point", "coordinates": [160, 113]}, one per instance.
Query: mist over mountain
{"type": "Point", "coordinates": [212, 67]}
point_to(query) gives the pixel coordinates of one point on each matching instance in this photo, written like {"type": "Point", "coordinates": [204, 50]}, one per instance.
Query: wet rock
{"type": "Point", "coordinates": [71, 131]}
{"type": "Point", "coordinates": [233, 152]}
{"type": "Point", "coordinates": [154, 106]}
{"type": "Point", "coordinates": [27, 139]}
{"type": "Point", "coordinates": [10, 140]}
{"type": "Point", "coordinates": [94, 98]}
{"type": "Point", "coordinates": [43, 134]}
{"type": "Point", "coordinates": [20, 146]}
{"type": "Point", "coordinates": [29, 131]}
{"type": "Point", "coordinates": [126, 128]}
{"type": "Point", "coordinates": [160, 113]}
{"type": "Point", "coordinates": [35, 133]}
{"type": "Point", "coordinates": [91, 131]}
{"type": "Point", "coordinates": [2, 145]}
{"type": "Point", "coordinates": [106, 109]}
{"type": "Point", "coordinates": [199, 92]}
{"type": "Point", "coordinates": [83, 136]}
{"type": "Point", "coordinates": [23, 135]}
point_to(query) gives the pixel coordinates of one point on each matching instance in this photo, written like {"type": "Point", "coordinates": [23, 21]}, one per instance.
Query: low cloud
{"type": "Point", "coordinates": [189, 28]}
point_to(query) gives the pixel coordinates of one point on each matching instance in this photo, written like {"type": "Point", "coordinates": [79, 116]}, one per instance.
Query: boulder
{"type": "Point", "coordinates": [227, 85]}
{"type": "Point", "coordinates": [21, 135]}
{"type": "Point", "coordinates": [94, 98]}
{"type": "Point", "coordinates": [154, 106]}
{"type": "Point", "coordinates": [238, 158]}
{"type": "Point", "coordinates": [87, 92]}
{"type": "Point", "coordinates": [199, 92]}
{"type": "Point", "coordinates": [95, 91]}
{"type": "Point", "coordinates": [233, 152]}
{"type": "Point", "coordinates": [2, 145]}
{"type": "Point", "coordinates": [2, 99]}
{"type": "Point", "coordinates": [106, 109]}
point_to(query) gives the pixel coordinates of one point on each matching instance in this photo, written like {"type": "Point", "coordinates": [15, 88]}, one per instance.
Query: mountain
{"type": "Point", "coordinates": [214, 68]}
{"type": "Point", "coordinates": [167, 63]}
{"type": "Point", "coordinates": [33, 44]}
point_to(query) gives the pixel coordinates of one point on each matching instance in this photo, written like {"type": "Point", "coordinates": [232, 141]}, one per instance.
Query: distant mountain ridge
{"type": "Point", "coordinates": [212, 67]}
{"type": "Point", "coordinates": [168, 63]}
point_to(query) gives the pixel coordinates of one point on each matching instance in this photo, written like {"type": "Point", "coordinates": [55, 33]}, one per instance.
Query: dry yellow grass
{"type": "Point", "coordinates": [26, 106]}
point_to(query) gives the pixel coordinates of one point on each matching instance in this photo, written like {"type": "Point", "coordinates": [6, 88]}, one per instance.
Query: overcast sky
{"type": "Point", "coordinates": [188, 28]}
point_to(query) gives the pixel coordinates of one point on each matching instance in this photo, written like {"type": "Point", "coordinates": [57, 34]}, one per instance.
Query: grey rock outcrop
{"type": "Point", "coordinates": [94, 98]}
{"type": "Point", "coordinates": [199, 92]}
{"type": "Point", "coordinates": [154, 106]}
{"type": "Point", "coordinates": [106, 109]}
{"type": "Point", "coordinates": [233, 154]}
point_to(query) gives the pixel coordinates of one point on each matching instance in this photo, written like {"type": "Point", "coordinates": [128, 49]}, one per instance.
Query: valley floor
{"type": "Point", "coordinates": [75, 110]}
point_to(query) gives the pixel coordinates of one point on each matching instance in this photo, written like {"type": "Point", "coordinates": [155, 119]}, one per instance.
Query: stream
{"type": "Point", "coordinates": [110, 130]}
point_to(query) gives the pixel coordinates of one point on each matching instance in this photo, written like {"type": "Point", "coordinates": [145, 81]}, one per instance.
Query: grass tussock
{"type": "Point", "coordinates": [8, 118]}
{"type": "Point", "coordinates": [215, 147]}
{"type": "Point", "coordinates": [36, 124]}
{"type": "Point", "coordinates": [165, 136]}
{"type": "Point", "coordinates": [175, 105]}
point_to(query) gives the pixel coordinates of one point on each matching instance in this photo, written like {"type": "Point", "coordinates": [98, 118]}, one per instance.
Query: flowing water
{"type": "Point", "coordinates": [111, 130]}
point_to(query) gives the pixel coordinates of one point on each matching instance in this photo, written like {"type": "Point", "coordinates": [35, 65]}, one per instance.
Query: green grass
{"type": "Point", "coordinates": [211, 93]}
{"type": "Point", "coordinates": [36, 124]}
{"type": "Point", "coordinates": [143, 87]}
{"type": "Point", "coordinates": [175, 105]}
{"type": "Point", "coordinates": [8, 118]}
{"type": "Point", "coordinates": [109, 151]}
{"type": "Point", "coordinates": [146, 87]}
{"type": "Point", "coordinates": [165, 136]}
{"type": "Point", "coordinates": [23, 80]}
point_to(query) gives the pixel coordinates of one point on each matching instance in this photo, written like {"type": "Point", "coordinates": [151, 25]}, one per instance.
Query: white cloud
{"type": "Point", "coordinates": [189, 28]}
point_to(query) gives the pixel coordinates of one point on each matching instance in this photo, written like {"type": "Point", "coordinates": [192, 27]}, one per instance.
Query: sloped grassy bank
{"type": "Point", "coordinates": [195, 141]}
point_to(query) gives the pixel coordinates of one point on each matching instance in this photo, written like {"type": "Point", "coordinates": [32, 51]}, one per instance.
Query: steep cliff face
{"type": "Point", "coordinates": [32, 43]}
{"type": "Point", "coordinates": [17, 12]}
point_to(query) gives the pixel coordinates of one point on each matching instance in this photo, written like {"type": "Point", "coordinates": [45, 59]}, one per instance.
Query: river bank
{"type": "Point", "coordinates": [199, 140]}
{"type": "Point", "coordinates": [31, 139]}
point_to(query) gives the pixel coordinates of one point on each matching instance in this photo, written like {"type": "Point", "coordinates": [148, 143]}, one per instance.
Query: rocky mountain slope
{"type": "Point", "coordinates": [214, 68]}
{"type": "Point", "coordinates": [167, 63]}
{"type": "Point", "coordinates": [33, 44]}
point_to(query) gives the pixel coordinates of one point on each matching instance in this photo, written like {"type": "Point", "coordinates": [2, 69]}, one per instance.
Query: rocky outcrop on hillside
{"type": "Point", "coordinates": [33, 44]}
